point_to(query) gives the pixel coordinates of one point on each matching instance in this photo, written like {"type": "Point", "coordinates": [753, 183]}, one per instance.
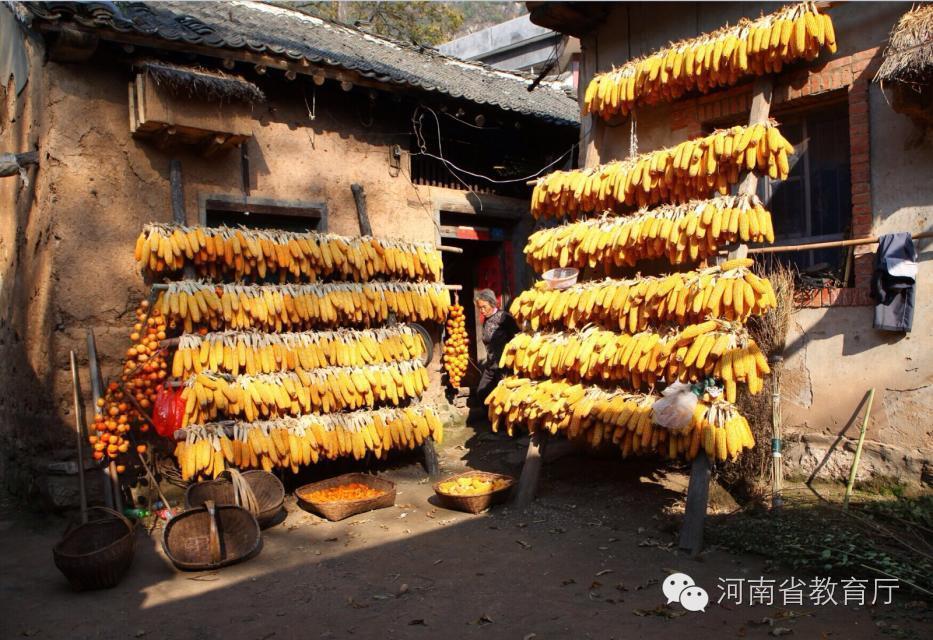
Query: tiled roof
{"type": "Point", "coordinates": [295, 36]}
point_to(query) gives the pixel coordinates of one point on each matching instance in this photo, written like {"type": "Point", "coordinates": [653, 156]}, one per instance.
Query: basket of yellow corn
{"type": "Point", "coordinates": [473, 491]}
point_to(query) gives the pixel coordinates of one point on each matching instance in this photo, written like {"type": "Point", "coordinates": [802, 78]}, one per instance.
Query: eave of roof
{"type": "Point", "coordinates": [292, 36]}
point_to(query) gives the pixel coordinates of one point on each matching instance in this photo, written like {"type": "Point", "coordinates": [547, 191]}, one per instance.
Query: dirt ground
{"type": "Point", "coordinates": [586, 561]}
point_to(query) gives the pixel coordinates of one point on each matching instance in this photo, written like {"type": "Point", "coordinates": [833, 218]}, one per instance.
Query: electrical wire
{"type": "Point", "coordinates": [416, 123]}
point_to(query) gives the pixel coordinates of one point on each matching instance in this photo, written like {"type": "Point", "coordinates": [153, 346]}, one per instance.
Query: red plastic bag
{"type": "Point", "coordinates": [167, 411]}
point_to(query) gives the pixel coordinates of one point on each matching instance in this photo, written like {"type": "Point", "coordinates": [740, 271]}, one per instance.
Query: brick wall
{"type": "Point", "coordinates": [799, 86]}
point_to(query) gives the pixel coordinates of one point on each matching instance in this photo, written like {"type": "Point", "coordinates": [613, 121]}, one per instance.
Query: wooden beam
{"type": "Point", "coordinates": [359, 196]}
{"type": "Point", "coordinates": [178, 194]}
{"type": "Point", "coordinates": [257, 206]}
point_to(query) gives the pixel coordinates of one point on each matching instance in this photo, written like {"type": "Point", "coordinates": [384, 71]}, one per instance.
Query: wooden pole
{"type": "Point", "coordinates": [178, 194]}
{"type": "Point", "coordinates": [858, 450]}
{"type": "Point", "coordinates": [691, 534]}
{"type": "Point", "coordinates": [97, 389]}
{"type": "Point", "coordinates": [359, 196]}
{"type": "Point", "coordinates": [431, 463]}
{"type": "Point", "coordinates": [531, 471]}
{"type": "Point", "coordinates": [79, 434]}
{"type": "Point", "coordinates": [833, 244]}
{"type": "Point", "coordinates": [777, 460]}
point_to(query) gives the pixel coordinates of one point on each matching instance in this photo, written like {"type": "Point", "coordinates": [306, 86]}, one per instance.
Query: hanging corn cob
{"type": "Point", "coordinates": [294, 442]}
{"type": "Point", "coordinates": [218, 252]}
{"type": "Point", "coordinates": [713, 60]}
{"type": "Point", "coordinates": [730, 291]}
{"type": "Point", "coordinates": [295, 306]}
{"type": "Point", "coordinates": [597, 416]}
{"type": "Point", "coordinates": [252, 353]}
{"type": "Point", "coordinates": [325, 390]}
{"type": "Point", "coordinates": [680, 233]}
{"type": "Point", "coordinates": [456, 344]}
{"type": "Point", "coordinates": [692, 169]}
{"type": "Point", "coordinates": [596, 355]}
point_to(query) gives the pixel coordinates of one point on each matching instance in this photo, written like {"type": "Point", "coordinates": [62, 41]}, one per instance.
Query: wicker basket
{"type": "Point", "coordinates": [96, 554]}
{"type": "Point", "coordinates": [267, 491]}
{"type": "Point", "coordinates": [475, 504]}
{"type": "Point", "coordinates": [211, 537]}
{"type": "Point", "coordinates": [339, 510]}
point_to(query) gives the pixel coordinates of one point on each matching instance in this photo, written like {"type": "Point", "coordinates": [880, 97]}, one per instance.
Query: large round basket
{"type": "Point", "coordinates": [211, 537]}
{"type": "Point", "coordinates": [338, 510]}
{"type": "Point", "coordinates": [96, 554]}
{"type": "Point", "coordinates": [475, 504]}
{"type": "Point", "coordinates": [267, 489]}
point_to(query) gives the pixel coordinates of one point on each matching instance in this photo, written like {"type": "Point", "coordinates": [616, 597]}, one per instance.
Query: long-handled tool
{"type": "Point", "coordinates": [79, 434]}
{"type": "Point", "coordinates": [97, 388]}
{"type": "Point", "coordinates": [858, 450]}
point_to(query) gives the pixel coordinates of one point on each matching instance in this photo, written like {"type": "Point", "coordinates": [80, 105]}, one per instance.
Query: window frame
{"type": "Point", "coordinates": [309, 209]}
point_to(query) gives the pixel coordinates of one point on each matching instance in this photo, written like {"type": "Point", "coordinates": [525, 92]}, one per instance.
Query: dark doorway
{"type": "Point", "coordinates": [486, 262]}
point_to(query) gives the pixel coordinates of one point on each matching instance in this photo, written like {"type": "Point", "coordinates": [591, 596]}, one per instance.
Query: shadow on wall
{"type": "Point", "coordinates": [855, 324]}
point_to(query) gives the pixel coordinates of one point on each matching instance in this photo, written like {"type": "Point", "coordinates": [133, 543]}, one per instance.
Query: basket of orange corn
{"type": "Point", "coordinates": [346, 495]}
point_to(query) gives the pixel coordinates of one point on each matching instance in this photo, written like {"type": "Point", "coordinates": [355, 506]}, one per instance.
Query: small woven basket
{"type": "Point", "coordinates": [338, 510]}
{"type": "Point", "coordinates": [475, 504]}
{"type": "Point", "coordinates": [211, 537]}
{"type": "Point", "coordinates": [258, 491]}
{"type": "Point", "coordinates": [96, 554]}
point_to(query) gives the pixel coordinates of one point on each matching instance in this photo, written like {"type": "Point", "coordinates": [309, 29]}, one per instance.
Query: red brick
{"type": "Point", "coordinates": [858, 120]}
{"type": "Point", "coordinates": [861, 198]}
{"type": "Point", "coordinates": [846, 297]}
{"type": "Point", "coordinates": [858, 106]}
{"type": "Point", "coordinates": [816, 83]}
{"type": "Point", "coordinates": [859, 157]}
{"type": "Point", "coordinates": [861, 223]}
{"type": "Point", "coordinates": [830, 296]}
{"type": "Point", "coordinates": [858, 144]}
{"type": "Point", "coordinates": [861, 187]}
{"type": "Point", "coordinates": [811, 299]}
{"type": "Point", "coordinates": [861, 174]}
{"type": "Point", "coordinates": [861, 210]}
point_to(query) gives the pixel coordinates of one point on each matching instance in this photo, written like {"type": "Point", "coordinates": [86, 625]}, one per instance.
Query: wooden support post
{"type": "Point", "coordinates": [178, 194]}
{"type": "Point", "coordinates": [431, 464]}
{"type": "Point", "coordinates": [359, 196]}
{"type": "Point", "coordinates": [531, 471]}
{"type": "Point", "coordinates": [691, 534]}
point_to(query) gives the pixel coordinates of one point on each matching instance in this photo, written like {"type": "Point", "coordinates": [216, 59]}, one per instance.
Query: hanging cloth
{"type": "Point", "coordinates": [894, 282]}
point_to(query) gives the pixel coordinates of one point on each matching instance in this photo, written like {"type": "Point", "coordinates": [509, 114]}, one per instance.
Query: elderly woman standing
{"type": "Point", "coordinates": [498, 328]}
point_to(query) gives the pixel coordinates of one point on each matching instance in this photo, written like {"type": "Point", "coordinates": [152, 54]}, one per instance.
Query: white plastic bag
{"type": "Point", "coordinates": [675, 409]}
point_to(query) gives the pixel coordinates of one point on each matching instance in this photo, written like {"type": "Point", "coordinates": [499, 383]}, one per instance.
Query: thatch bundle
{"type": "Point", "coordinates": [909, 56]}
{"type": "Point", "coordinates": [196, 82]}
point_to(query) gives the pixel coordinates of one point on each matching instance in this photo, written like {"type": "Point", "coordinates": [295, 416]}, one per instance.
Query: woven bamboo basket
{"type": "Point", "coordinates": [97, 554]}
{"type": "Point", "coordinates": [338, 510]}
{"type": "Point", "coordinates": [268, 494]}
{"type": "Point", "coordinates": [211, 537]}
{"type": "Point", "coordinates": [475, 504]}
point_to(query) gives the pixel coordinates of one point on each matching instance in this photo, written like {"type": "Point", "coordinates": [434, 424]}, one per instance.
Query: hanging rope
{"type": "Point", "coordinates": [633, 136]}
